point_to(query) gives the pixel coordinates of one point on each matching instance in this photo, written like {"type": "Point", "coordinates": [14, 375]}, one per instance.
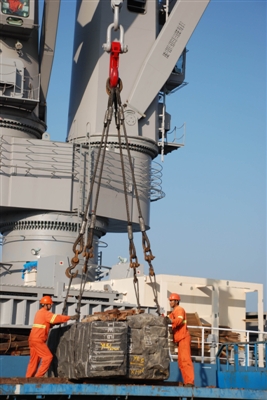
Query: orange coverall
{"type": "Point", "coordinates": [37, 341]}
{"type": "Point", "coordinates": [182, 337]}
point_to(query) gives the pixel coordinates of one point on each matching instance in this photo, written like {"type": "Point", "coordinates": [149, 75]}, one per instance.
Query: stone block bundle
{"type": "Point", "coordinates": [136, 348]}
{"type": "Point", "coordinates": [61, 342]}
{"type": "Point", "coordinates": [101, 349]}
{"type": "Point", "coordinates": [148, 351]}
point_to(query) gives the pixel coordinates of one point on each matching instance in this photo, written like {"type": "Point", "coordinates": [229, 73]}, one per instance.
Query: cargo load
{"type": "Point", "coordinates": [133, 348]}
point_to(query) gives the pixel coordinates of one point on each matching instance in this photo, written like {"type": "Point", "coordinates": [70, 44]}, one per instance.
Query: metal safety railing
{"type": "Point", "coordinates": [13, 83]}
{"type": "Point", "coordinates": [39, 157]}
{"type": "Point", "coordinates": [207, 343]}
{"type": "Point", "coordinates": [243, 354]}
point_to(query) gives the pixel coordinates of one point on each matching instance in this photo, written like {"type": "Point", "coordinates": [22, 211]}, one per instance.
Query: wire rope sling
{"type": "Point", "coordinates": [114, 107]}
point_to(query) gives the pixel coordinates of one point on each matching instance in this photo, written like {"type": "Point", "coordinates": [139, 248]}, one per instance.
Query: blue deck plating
{"type": "Point", "coordinates": [29, 390]}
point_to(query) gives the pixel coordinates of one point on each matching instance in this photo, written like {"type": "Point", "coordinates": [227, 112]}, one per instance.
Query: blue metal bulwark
{"type": "Point", "coordinates": [237, 371]}
{"type": "Point", "coordinates": [125, 391]}
{"type": "Point", "coordinates": [232, 377]}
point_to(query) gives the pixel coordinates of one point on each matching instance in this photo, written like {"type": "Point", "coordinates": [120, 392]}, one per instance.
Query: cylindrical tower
{"type": "Point", "coordinates": [35, 172]}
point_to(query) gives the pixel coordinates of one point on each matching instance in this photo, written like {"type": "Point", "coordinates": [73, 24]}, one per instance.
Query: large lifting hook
{"type": "Point", "coordinates": [77, 249]}
{"type": "Point", "coordinates": [116, 47]}
{"type": "Point", "coordinates": [114, 64]}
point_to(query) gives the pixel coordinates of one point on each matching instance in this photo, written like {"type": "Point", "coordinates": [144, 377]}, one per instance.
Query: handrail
{"type": "Point", "coordinates": [240, 358]}
{"type": "Point", "coordinates": [216, 344]}
{"type": "Point", "coordinates": [19, 91]}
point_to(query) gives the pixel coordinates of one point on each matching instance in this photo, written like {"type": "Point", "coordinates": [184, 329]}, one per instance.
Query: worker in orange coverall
{"type": "Point", "coordinates": [37, 340]}
{"type": "Point", "coordinates": [182, 337]}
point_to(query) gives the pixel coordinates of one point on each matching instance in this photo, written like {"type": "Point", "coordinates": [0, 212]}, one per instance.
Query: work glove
{"type": "Point", "coordinates": [168, 320]}
{"type": "Point", "coordinates": [75, 317]}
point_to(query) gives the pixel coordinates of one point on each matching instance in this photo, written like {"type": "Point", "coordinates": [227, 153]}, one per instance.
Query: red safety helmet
{"type": "Point", "coordinates": [46, 300]}
{"type": "Point", "coordinates": [174, 296]}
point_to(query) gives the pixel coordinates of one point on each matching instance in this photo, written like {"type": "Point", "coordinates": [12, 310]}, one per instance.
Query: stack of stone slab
{"type": "Point", "coordinates": [136, 348]}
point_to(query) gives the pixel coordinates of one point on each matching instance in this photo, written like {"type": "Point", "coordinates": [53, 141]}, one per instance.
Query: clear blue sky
{"type": "Point", "coordinates": [212, 222]}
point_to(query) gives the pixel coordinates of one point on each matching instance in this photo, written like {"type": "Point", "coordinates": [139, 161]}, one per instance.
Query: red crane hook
{"type": "Point", "coordinates": [114, 64]}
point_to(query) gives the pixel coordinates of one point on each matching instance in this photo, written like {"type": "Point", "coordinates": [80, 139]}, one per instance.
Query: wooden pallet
{"type": "Point", "coordinates": [13, 344]}
{"type": "Point", "coordinates": [193, 319]}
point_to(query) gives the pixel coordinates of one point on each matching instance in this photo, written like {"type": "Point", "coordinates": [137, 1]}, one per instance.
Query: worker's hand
{"type": "Point", "coordinates": [168, 320]}
{"type": "Point", "coordinates": [75, 317]}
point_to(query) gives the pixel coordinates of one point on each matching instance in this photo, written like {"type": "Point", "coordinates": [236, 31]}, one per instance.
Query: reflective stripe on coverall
{"type": "Point", "coordinates": [182, 337]}
{"type": "Point", "coordinates": [37, 341]}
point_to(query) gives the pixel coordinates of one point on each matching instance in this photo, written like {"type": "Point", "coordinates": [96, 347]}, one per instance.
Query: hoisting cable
{"type": "Point", "coordinates": [78, 246]}
{"type": "Point", "coordinates": [148, 256]}
{"type": "Point", "coordinates": [119, 117]}
{"type": "Point", "coordinates": [88, 248]}
{"type": "Point", "coordinates": [82, 287]}
{"type": "Point", "coordinates": [80, 239]}
{"type": "Point", "coordinates": [115, 48]}
{"type": "Point", "coordinates": [64, 309]}
{"type": "Point", "coordinates": [114, 86]}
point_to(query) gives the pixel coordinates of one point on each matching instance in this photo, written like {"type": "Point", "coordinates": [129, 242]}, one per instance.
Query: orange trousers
{"type": "Point", "coordinates": [38, 352]}
{"type": "Point", "coordinates": [184, 360]}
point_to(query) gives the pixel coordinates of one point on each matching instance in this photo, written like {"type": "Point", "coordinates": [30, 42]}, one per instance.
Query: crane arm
{"type": "Point", "coordinates": [47, 43]}
{"type": "Point", "coordinates": [165, 52]}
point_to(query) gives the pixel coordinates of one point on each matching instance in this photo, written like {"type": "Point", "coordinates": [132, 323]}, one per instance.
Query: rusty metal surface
{"type": "Point", "coordinates": [53, 387]}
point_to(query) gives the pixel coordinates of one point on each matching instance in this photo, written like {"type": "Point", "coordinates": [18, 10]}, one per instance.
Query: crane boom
{"type": "Point", "coordinates": [165, 52]}
{"type": "Point", "coordinates": [48, 43]}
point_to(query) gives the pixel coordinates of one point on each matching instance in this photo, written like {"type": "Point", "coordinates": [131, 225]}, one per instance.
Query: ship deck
{"type": "Point", "coordinates": [41, 388]}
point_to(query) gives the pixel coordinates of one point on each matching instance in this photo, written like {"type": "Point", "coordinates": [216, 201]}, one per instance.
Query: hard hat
{"type": "Point", "coordinates": [46, 300]}
{"type": "Point", "coordinates": [174, 296]}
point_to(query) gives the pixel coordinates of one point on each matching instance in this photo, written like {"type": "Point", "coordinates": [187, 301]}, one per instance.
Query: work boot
{"type": "Point", "coordinates": [189, 385]}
